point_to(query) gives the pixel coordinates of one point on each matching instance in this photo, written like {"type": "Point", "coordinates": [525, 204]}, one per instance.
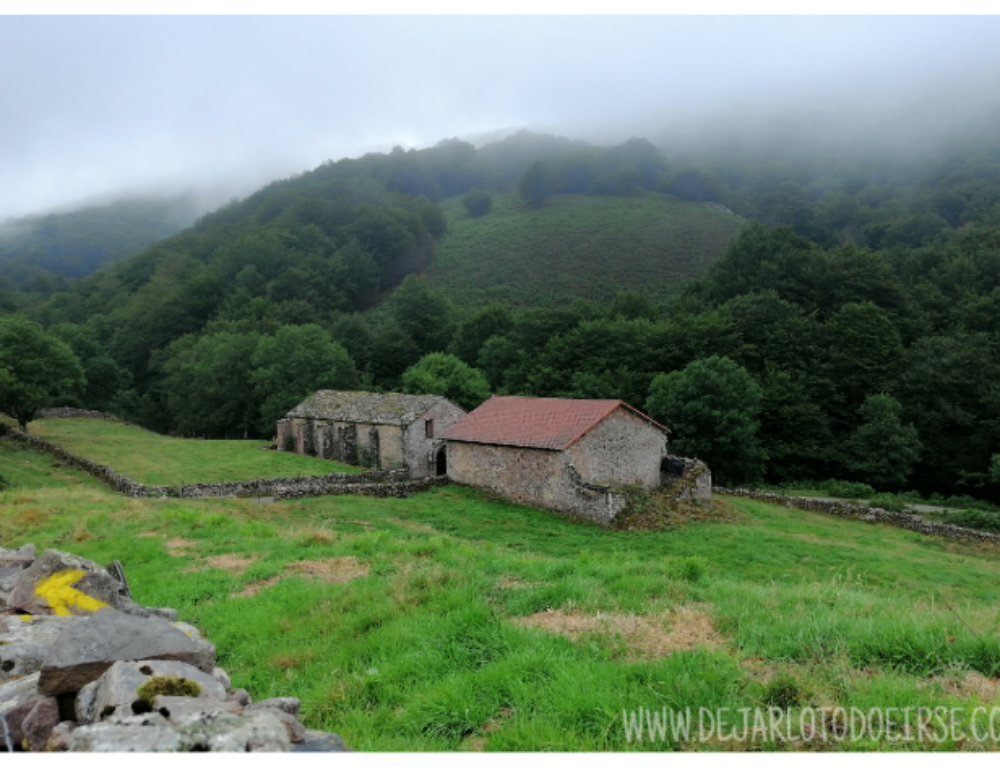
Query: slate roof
{"type": "Point", "coordinates": [366, 407]}
{"type": "Point", "coordinates": [518, 421]}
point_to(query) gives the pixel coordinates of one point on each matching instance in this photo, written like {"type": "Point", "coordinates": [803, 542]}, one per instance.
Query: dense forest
{"type": "Point", "coordinates": [849, 329]}
{"type": "Point", "coordinates": [38, 253]}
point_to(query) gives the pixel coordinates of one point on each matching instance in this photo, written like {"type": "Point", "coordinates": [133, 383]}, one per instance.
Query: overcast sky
{"type": "Point", "coordinates": [99, 105]}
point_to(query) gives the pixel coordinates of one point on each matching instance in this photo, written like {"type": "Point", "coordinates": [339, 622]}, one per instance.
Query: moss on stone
{"type": "Point", "coordinates": [171, 686]}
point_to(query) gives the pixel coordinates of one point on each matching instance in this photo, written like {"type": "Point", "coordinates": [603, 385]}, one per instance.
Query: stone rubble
{"type": "Point", "coordinates": [83, 667]}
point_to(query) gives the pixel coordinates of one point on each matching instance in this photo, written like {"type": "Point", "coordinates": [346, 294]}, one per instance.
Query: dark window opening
{"type": "Point", "coordinates": [429, 429]}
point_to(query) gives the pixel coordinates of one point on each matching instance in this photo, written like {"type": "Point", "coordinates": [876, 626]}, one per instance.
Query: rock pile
{"type": "Point", "coordinates": [83, 667]}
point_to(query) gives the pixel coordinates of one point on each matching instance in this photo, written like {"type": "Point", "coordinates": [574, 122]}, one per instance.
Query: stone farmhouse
{"type": "Point", "coordinates": [567, 455]}
{"type": "Point", "coordinates": [372, 430]}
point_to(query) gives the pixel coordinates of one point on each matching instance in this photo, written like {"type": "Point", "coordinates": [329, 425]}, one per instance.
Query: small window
{"type": "Point", "coordinates": [429, 429]}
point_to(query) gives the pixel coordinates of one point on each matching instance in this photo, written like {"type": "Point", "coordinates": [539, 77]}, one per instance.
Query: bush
{"type": "Point", "coordinates": [985, 522]}
{"type": "Point", "coordinates": [5, 483]}
{"type": "Point", "coordinates": [888, 502]}
{"type": "Point", "coordinates": [689, 568]}
{"type": "Point", "coordinates": [848, 490]}
{"type": "Point", "coordinates": [964, 502]}
{"type": "Point", "coordinates": [477, 202]}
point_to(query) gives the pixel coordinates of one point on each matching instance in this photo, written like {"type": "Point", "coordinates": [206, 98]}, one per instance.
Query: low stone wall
{"type": "Point", "coordinates": [73, 412]}
{"type": "Point", "coordinates": [393, 483]}
{"type": "Point", "coordinates": [115, 480]}
{"type": "Point", "coordinates": [845, 509]}
{"type": "Point", "coordinates": [369, 489]}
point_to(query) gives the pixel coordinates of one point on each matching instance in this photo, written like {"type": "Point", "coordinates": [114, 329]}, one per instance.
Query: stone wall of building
{"type": "Point", "coordinates": [419, 449]}
{"type": "Point", "coordinates": [362, 444]}
{"type": "Point", "coordinates": [543, 478]}
{"type": "Point", "coordinates": [382, 446]}
{"type": "Point", "coordinates": [623, 449]}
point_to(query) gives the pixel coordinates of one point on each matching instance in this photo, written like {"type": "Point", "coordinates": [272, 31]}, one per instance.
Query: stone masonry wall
{"type": "Point", "coordinates": [543, 478]}
{"type": "Point", "coordinates": [623, 449]}
{"type": "Point", "coordinates": [866, 513]}
{"type": "Point", "coordinates": [690, 479]}
{"type": "Point", "coordinates": [73, 412]}
{"type": "Point", "coordinates": [418, 449]}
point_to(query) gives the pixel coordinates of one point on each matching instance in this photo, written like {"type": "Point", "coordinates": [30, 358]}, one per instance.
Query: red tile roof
{"type": "Point", "coordinates": [540, 423]}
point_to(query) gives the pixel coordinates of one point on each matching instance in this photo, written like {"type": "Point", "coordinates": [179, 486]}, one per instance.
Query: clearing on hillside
{"type": "Point", "coordinates": [576, 246]}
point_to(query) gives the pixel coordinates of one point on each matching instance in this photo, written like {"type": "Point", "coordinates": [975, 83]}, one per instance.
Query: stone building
{"type": "Point", "coordinates": [372, 430]}
{"type": "Point", "coordinates": [564, 454]}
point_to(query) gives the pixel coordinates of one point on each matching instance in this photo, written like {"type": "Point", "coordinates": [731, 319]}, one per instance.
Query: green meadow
{"type": "Point", "coordinates": [454, 621]}
{"type": "Point", "coordinates": [576, 246]}
{"type": "Point", "coordinates": [155, 460]}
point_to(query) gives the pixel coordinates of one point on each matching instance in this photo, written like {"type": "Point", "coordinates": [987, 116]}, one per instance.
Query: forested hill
{"type": "Point", "coordinates": [38, 253]}
{"type": "Point", "coordinates": [850, 329]}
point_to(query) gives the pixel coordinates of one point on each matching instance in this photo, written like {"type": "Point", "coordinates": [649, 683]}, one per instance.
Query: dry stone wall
{"type": "Point", "coordinates": [74, 412]}
{"type": "Point", "coordinates": [845, 509]}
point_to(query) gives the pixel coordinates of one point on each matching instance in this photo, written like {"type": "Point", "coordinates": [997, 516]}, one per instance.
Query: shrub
{"type": "Point", "coordinates": [984, 522]}
{"type": "Point", "coordinates": [477, 202]}
{"type": "Point", "coordinates": [848, 490]}
{"type": "Point", "coordinates": [965, 502]}
{"type": "Point", "coordinates": [888, 502]}
{"type": "Point", "coordinates": [689, 568]}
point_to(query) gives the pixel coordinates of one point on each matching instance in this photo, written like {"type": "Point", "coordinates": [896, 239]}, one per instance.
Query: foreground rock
{"type": "Point", "coordinates": [61, 583]}
{"type": "Point", "coordinates": [119, 690]}
{"type": "Point", "coordinates": [85, 668]}
{"type": "Point", "coordinates": [25, 641]}
{"type": "Point", "coordinates": [86, 648]}
{"type": "Point", "coordinates": [211, 731]}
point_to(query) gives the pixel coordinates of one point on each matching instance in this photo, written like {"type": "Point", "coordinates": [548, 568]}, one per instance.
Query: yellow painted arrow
{"type": "Point", "coordinates": [60, 594]}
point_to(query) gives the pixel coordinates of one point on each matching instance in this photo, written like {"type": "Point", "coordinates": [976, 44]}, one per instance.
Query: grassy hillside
{"type": "Point", "coordinates": [156, 460]}
{"type": "Point", "coordinates": [576, 246]}
{"type": "Point", "coordinates": [453, 621]}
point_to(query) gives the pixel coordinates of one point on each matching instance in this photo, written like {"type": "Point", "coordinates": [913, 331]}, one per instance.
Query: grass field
{"type": "Point", "coordinates": [576, 246]}
{"type": "Point", "coordinates": [454, 621]}
{"type": "Point", "coordinates": [156, 460]}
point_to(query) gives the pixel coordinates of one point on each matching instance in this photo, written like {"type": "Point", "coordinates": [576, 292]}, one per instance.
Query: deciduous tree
{"type": "Point", "coordinates": [448, 376]}
{"type": "Point", "coordinates": [34, 368]}
{"type": "Point", "coordinates": [712, 406]}
{"type": "Point", "coordinates": [883, 450]}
